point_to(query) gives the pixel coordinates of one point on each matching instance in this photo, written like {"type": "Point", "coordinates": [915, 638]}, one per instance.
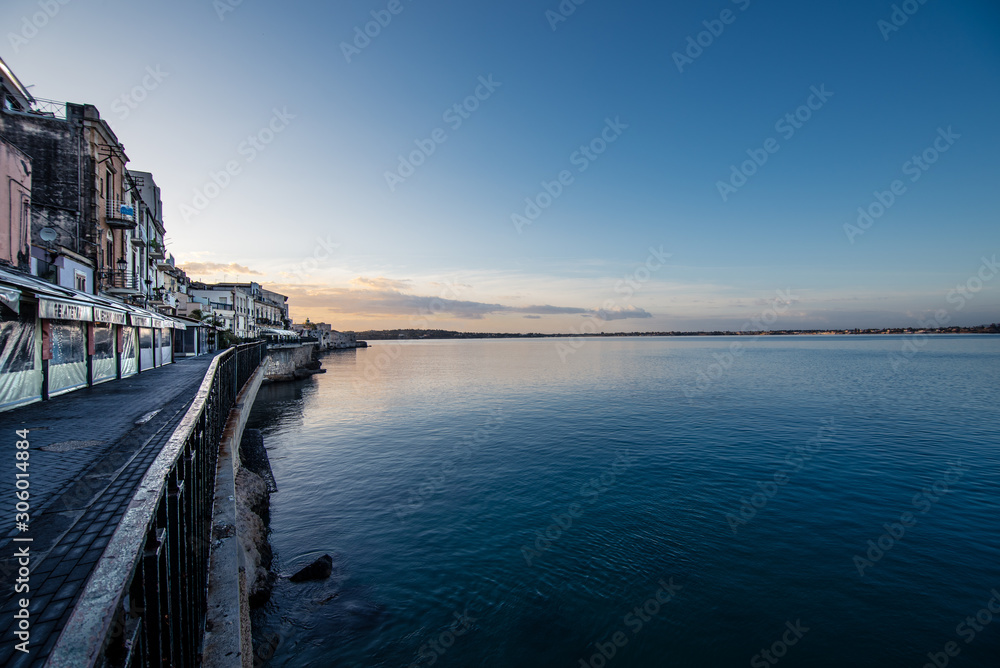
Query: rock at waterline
{"type": "Point", "coordinates": [317, 570]}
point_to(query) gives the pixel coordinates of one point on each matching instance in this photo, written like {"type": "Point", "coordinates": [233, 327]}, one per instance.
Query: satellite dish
{"type": "Point", "coordinates": [48, 234]}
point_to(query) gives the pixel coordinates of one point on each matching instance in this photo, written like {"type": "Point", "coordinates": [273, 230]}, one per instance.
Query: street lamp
{"type": "Point", "coordinates": [122, 265]}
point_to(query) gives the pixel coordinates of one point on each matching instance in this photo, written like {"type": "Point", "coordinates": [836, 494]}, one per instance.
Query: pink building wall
{"type": "Point", "coordinates": [15, 206]}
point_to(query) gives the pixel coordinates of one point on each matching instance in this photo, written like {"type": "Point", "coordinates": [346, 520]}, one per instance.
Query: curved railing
{"type": "Point", "coordinates": [144, 603]}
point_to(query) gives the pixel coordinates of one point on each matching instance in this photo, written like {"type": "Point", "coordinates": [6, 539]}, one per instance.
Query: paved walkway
{"type": "Point", "coordinates": [89, 449]}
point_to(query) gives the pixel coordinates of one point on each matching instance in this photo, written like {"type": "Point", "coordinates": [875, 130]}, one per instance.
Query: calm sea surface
{"type": "Point", "coordinates": [808, 501]}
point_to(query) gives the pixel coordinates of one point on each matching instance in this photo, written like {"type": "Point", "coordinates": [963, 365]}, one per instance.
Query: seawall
{"type": "Point", "coordinates": [291, 362]}
{"type": "Point", "coordinates": [227, 624]}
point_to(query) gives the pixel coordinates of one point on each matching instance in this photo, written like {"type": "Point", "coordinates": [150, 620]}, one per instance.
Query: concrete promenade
{"type": "Point", "coordinates": [88, 451]}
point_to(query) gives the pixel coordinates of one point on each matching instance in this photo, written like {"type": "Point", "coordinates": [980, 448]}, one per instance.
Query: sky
{"type": "Point", "coordinates": [547, 166]}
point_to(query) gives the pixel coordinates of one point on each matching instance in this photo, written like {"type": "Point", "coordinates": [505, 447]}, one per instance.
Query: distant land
{"type": "Point", "coordinates": [396, 334]}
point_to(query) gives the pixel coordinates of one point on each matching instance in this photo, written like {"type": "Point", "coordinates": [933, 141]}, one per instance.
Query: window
{"type": "Point", "coordinates": [47, 271]}
{"type": "Point", "coordinates": [25, 223]}
{"type": "Point", "coordinates": [81, 280]}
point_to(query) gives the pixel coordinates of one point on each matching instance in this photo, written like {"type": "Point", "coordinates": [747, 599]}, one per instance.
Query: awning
{"type": "Point", "coordinates": [11, 297]}
{"type": "Point", "coordinates": [110, 316]}
{"type": "Point", "coordinates": [52, 309]}
{"type": "Point", "coordinates": [60, 303]}
{"type": "Point", "coordinates": [278, 332]}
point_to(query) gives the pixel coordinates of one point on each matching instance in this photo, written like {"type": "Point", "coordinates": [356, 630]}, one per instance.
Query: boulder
{"type": "Point", "coordinates": [317, 570]}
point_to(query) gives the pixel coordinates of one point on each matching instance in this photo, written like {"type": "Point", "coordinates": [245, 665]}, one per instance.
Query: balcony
{"type": "Point", "coordinates": [156, 250]}
{"type": "Point", "coordinates": [121, 215]}
{"type": "Point", "coordinates": [124, 283]}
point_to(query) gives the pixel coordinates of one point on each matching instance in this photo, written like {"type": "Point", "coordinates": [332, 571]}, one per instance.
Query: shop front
{"type": "Point", "coordinates": [147, 345]}
{"type": "Point", "coordinates": [54, 339]}
{"type": "Point", "coordinates": [103, 342]}
{"type": "Point", "coordinates": [20, 350]}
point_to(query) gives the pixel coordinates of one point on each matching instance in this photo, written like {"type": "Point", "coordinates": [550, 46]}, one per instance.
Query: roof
{"type": "Point", "coordinates": [19, 88]}
{"type": "Point", "coordinates": [278, 332]}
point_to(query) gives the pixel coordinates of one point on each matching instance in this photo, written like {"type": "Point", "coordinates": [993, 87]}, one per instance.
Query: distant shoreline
{"type": "Point", "coordinates": [434, 334]}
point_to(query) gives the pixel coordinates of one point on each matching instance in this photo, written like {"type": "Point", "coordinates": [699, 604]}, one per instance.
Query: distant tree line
{"type": "Point", "coordinates": [396, 334]}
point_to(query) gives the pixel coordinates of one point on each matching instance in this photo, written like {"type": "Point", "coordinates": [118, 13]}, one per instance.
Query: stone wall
{"type": "Point", "coordinates": [291, 362]}
{"type": "Point", "coordinates": [54, 146]}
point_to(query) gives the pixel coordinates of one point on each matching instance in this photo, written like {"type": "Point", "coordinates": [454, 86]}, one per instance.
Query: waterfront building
{"type": "Point", "coordinates": [327, 337]}
{"type": "Point", "coordinates": [157, 274]}
{"type": "Point", "coordinates": [267, 309]}
{"type": "Point", "coordinates": [197, 338]}
{"type": "Point", "coordinates": [171, 288]}
{"type": "Point", "coordinates": [344, 340]}
{"type": "Point", "coordinates": [230, 306]}
{"type": "Point", "coordinates": [275, 309]}
{"type": "Point", "coordinates": [84, 202]}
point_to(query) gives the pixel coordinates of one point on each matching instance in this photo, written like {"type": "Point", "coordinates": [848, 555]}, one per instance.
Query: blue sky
{"type": "Point", "coordinates": [311, 212]}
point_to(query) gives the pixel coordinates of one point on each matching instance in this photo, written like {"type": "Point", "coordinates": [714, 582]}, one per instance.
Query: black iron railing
{"type": "Point", "coordinates": [144, 603]}
{"type": "Point", "coordinates": [124, 280]}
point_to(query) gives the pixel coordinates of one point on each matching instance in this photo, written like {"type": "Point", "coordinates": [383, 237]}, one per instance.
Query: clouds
{"type": "Point", "coordinates": [621, 313]}
{"type": "Point", "coordinates": [217, 268]}
{"type": "Point", "coordinates": [381, 283]}
{"type": "Point", "coordinates": [384, 298]}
